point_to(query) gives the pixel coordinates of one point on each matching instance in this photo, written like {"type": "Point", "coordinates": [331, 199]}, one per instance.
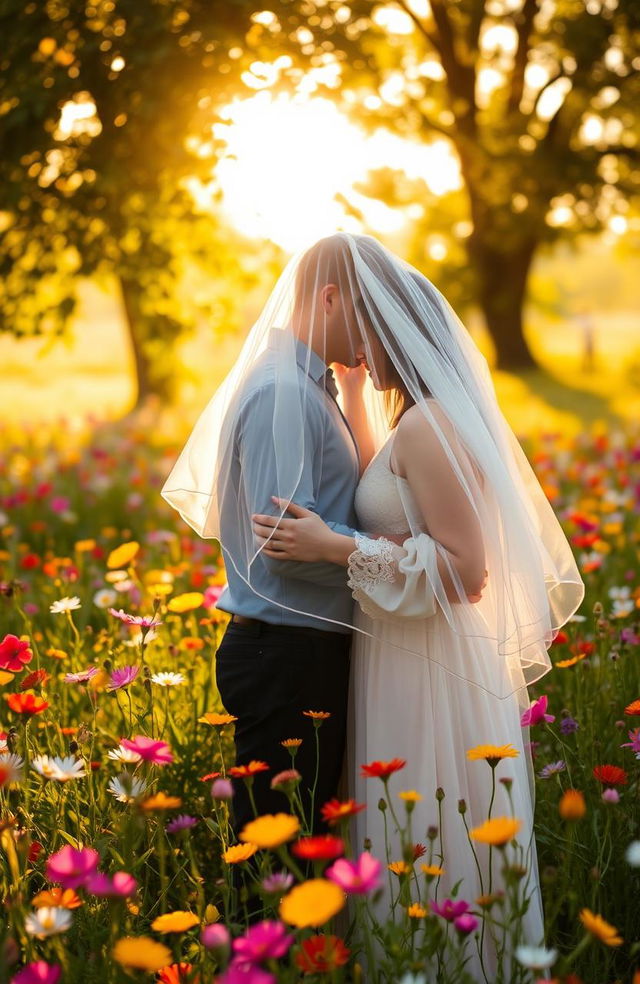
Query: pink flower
{"type": "Point", "coordinates": [39, 972]}
{"type": "Point", "coordinates": [235, 974]}
{"type": "Point", "coordinates": [157, 752]}
{"type": "Point", "coordinates": [60, 503]}
{"type": "Point", "coordinates": [14, 653]}
{"type": "Point", "coordinates": [123, 677]}
{"type": "Point", "coordinates": [82, 676]}
{"type": "Point", "coordinates": [267, 940]}
{"type": "Point", "coordinates": [181, 822]}
{"type": "Point", "coordinates": [450, 909]}
{"type": "Point", "coordinates": [222, 789]}
{"type": "Point", "coordinates": [466, 923]}
{"type": "Point", "coordinates": [144, 621]}
{"type": "Point", "coordinates": [71, 867]}
{"type": "Point", "coordinates": [356, 877]}
{"type": "Point", "coordinates": [634, 744]}
{"type": "Point", "coordinates": [120, 885]}
{"type": "Point", "coordinates": [537, 712]}
{"type": "Point", "coordinates": [610, 796]}
{"type": "Point", "coordinates": [278, 883]}
{"type": "Point", "coordinates": [215, 936]}
{"type": "Point", "coordinates": [212, 594]}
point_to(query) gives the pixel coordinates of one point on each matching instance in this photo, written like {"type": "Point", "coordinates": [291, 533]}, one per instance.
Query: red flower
{"type": "Point", "coordinates": [419, 851]}
{"type": "Point", "coordinates": [319, 954]}
{"type": "Point", "coordinates": [322, 848]}
{"type": "Point", "coordinates": [382, 770]}
{"type": "Point", "coordinates": [334, 810]}
{"type": "Point", "coordinates": [210, 775]}
{"type": "Point", "coordinates": [35, 850]}
{"type": "Point", "coordinates": [243, 771]}
{"type": "Point", "coordinates": [26, 703]}
{"type": "Point", "coordinates": [610, 775]}
{"type": "Point", "coordinates": [176, 973]}
{"type": "Point", "coordinates": [633, 708]}
{"type": "Point", "coordinates": [35, 679]}
{"type": "Point", "coordinates": [560, 639]}
{"type": "Point", "coordinates": [14, 653]}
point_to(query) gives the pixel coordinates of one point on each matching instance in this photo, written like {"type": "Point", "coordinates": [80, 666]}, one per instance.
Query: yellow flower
{"type": "Point", "coordinates": [417, 911]}
{"type": "Point", "coordinates": [432, 870]}
{"type": "Point", "coordinates": [56, 653]}
{"type": "Point", "coordinates": [399, 867]}
{"type": "Point", "coordinates": [216, 720]}
{"type": "Point", "coordinates": [175, 922]}
{"type": "Point", "coordinates": [186, 602]}
{"type": "Point", "coordinates": [141, 953]}
{"type": "Point", "coordinates": [492, 754]}
{"type": "Point", "coordinates": [572, 805]}
{"type": "Point", "coordinates": [5, 677]}
{"type": "Point", "coordinates": [98, 681]}
{"type": "Point", "coordinates": [82, 545]}
{"type": "Point", "coordinates": [312, 903]}
{"type": "Point", "coordinates": [239, 852]}
{"type": "Point", "coordinates": [123, 554]}
{"type": "Point", "coordinates": [410, 796]}
{"type": "Point", "coordinates": [498, 831]}
{"type": "Point", "coordinates": [563, 663]}
{"type": "Point", "coordinates": [270, 830]}
{"type": "Point", "coordinates": [158, 576]}
{"type": "Point", "coordinates": [161, 802]}
{"type": "Point", "coordinates": [602, 930]}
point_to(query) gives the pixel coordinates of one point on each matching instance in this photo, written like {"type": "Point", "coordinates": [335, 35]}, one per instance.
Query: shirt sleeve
{"type": "Point", "coordinates": [389, 581]}
{"type": "Point", "coordinates": [258, 467]}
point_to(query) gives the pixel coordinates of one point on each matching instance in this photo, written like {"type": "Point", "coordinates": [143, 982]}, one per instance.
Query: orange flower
{"type": "Point", "coordinates": [239, 852]}
{"type": "Point", "coordinates": [563, 663]}
{"type": "Point", "coordinates": [334, 811]}
{"type": "Point", "coordinates": [572, 805]}
{"type": "Point", "coordinates": [317, 715]}
{"type": "Point", "coordinates": [177, 973]}
{"type": "Point", "coordinates": [61, 898]}
{"type": "Point", "coordinates": [161, 802]}
{"type": "Point", "coordinates": [400, 868]}
{"type": "Point", "coordinates": [243, 771]}
{"type": "Point", "coordinates": [610, 775]}
{"type": "Point", "coordinates": [186, 602]}
{"type": "Point", "coordinates": [26, 703]}
{"type": "Point", "coordinates": [599, 928]}
{"type": "Point", "coordinates": [270, 830]}
{"type": "Point", "coordinates": [291, 743]}
{"type": "Point", "coordinates": [633, 707]}
{"type": "Point", "coordinates": [312, 903]}
{"type": "Point", "coordinates": [123, 554]}
{"type": "Point", "coordinates": [175, 922]}
{"type": "Point", "coordinates": [321, 954]}
{"type": "Point", "coordinates": [382, 770]}
{"type": "Point", "coordinates": [417, 911]}
{"type": "Point", "coordinates": [192, 643]}
{"type": "Point", "coordinates": [432, 870]}
{"type": "Point", "coordinates": [216, 720]}
{"type": "Point", "coordinates": [498, 831]}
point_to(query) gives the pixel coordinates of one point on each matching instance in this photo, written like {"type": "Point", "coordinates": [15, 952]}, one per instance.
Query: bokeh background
{"type": "Point", "coordinates": [161, 160]}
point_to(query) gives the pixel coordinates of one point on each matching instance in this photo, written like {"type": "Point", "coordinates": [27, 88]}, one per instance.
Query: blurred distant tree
{"type": "Point", "coordinates": [537, 98]}
{"type": "Point", "coordinates": [106, 112]}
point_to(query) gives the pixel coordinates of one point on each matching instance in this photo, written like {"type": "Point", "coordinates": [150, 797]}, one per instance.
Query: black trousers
{"type": "Point", "coordinates": [267, 676]}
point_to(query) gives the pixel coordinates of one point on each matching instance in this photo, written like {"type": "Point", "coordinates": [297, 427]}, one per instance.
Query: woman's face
{"type": "Point", "coordinates": [372, 355]}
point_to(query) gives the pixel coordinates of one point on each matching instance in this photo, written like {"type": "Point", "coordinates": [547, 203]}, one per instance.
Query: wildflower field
{"type": "Point", "coordinates": [117, 860]}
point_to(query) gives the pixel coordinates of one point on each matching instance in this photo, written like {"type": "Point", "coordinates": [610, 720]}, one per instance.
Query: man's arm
{"type": "Point", "coordinates": [259, 470]}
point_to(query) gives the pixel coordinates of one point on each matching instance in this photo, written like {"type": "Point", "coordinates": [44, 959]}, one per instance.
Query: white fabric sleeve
{"type": "Point", "coordinates": [389, 580]}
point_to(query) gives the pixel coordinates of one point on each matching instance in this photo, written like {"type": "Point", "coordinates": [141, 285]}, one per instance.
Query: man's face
{"type": "Point", "coordinates": [342, 326]}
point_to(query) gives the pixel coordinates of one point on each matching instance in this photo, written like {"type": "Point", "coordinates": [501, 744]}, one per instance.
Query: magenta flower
{"type": "Point", "coordinates": [181, 822]}
{"type": "Point", "coordinates": [634, 742]}
{"type": "Point", "coordinates": [537, 713]}
{"type": "Point", "coordinates": [144, 621]}
{"type": "Point", "coordinates": [235, 974]}
{"type": "Point", "coordinates": [82, 676]}
{"type": "Point", "coordinates": [267, 940]}
{"type": "Point", "coordinates": [450, 909]}
{"type": "Point", "coordinates": [610, 796]}
{"type": "Point", "coordinates": [278, 883]}
{"type": "Point", "coordinates": [39, 972]}
{"type": "Point", "coordinates": [123, 677]}
{"type": "Point", "coordinates": [71, 867]}
{"type": "Point", "coordinates": [222, 789]}
{"type": "Point", "coordinates": [157, 752]}
{"type": "Point", "coordinates": [466, 923]}
{"type": "Point", "coordinates": [215, 936]}
{"type": "Point", "coordinates": [14, 653]}
{"type": "Point", "coordinates": [120, 885]}
{"type": "Point", "coordinates": [212, 594]}
{"type": "Point", "coordinates": [356, 877]}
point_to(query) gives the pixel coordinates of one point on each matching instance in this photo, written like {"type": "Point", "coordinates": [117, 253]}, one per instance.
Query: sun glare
{"type": "Point", "coordinates": [289, 160]}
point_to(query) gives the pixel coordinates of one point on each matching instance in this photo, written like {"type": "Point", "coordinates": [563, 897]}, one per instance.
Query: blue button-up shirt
{"type": "Point", "coordinates": [330, 472]}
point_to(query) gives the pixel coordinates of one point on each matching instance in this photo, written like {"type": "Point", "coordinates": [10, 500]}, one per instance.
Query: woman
{"type": "Point", "coordinates": [461, 582]}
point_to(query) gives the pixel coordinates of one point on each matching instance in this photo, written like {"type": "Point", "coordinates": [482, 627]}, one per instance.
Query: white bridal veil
{"type": "Point", "coordinates": [416, 344]}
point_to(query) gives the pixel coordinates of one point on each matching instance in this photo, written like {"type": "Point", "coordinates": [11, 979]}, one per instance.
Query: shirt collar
{"type": "Point", "coordinates": [310, 361]}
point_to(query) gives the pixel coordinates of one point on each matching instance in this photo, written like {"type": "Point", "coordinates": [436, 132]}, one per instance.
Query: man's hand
{"type": "Point", "coordinates": [306, 537]}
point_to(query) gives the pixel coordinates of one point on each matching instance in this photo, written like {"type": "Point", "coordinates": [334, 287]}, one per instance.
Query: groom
{"type": "Point", "coordinates": [274, 664]}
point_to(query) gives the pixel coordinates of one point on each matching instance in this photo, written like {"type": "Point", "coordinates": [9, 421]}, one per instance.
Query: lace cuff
{"type": "Point", "coordinates": [371, 563]}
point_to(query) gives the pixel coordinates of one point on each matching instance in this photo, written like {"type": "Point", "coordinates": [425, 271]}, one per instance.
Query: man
{"type": "Point", "coordinates": [280, 656]}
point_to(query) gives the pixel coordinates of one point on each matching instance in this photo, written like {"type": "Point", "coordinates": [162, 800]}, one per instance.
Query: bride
{"type": "Point", "coordinates": [461, 580]}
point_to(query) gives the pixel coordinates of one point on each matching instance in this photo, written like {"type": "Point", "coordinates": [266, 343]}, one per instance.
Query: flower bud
{"type": "Point", "coordinates": [439, 794]}
{"type": "Point", "coordinates": [382, 804]}
{"type": "Point", "coordinates": [598, 609]}
{"type": "Point", "coordinates": [432, 832]}
{"type": "Point", "coordinates": [462, 806]}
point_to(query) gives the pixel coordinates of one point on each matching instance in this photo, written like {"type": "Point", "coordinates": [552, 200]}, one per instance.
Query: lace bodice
{"type": "Point", "coordinates": [378, 505]}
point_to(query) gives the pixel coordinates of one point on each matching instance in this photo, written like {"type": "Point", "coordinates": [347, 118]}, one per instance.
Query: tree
{"type": "Point", "coordinates": [106, 112]}
{"type": "Point", "coordinates": [537, 98]}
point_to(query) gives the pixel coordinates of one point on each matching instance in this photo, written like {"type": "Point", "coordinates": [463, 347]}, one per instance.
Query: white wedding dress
{"type": "Point", "coordinates": [404, 705]}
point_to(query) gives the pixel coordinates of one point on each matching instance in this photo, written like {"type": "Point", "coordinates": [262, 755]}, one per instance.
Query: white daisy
{"type": "Point", "coordinates": [65, 605]}
{"type": "Point", "coordinates": [536, 957]}
{"type": "Point", "coordinates": [3, 746]}
{"type": "Point", "coordinates": [48, 921]}
{"type": "Point", "coordinates": [632, 854]}
{"type": "Point", "coordinates": [104, 598]}
{"type": "Point", "coordinates": [168, 679]}
{"type": "Point", "coordinates": [60, 769]}
{"type": "Point", "coordinates": [126, 789]}
{"type": "Point", "coordinates": [619, 594]}
{"type": "Point", "coordinates": [124, 585]}
{"type": "Point", "coordinates": [10, 768]}
{"type": "Point", "coordinates": [136, 638]}
{"type": "Point", "coordinates": [121, 754]}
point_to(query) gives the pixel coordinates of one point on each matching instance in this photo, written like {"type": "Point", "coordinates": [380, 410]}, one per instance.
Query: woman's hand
{"type": "Point", "coordinates": [350, 381]}
{"type": "Point", "coordinates": [306, 537]}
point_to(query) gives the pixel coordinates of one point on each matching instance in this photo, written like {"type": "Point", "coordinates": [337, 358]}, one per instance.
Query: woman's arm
{"type": "Point", "coordinates": [351, 383]}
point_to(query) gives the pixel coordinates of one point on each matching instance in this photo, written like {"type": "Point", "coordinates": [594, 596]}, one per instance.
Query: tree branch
{"type": "Point", "coordinates": [431, 38]}
{"type": "Point", "coordinates": [524, 26]}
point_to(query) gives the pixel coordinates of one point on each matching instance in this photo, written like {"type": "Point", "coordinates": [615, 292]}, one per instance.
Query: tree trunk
{"type": "Point", "coordinates": [502, 286]}
{"type": "Point", "coordinates": [137, 333]}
